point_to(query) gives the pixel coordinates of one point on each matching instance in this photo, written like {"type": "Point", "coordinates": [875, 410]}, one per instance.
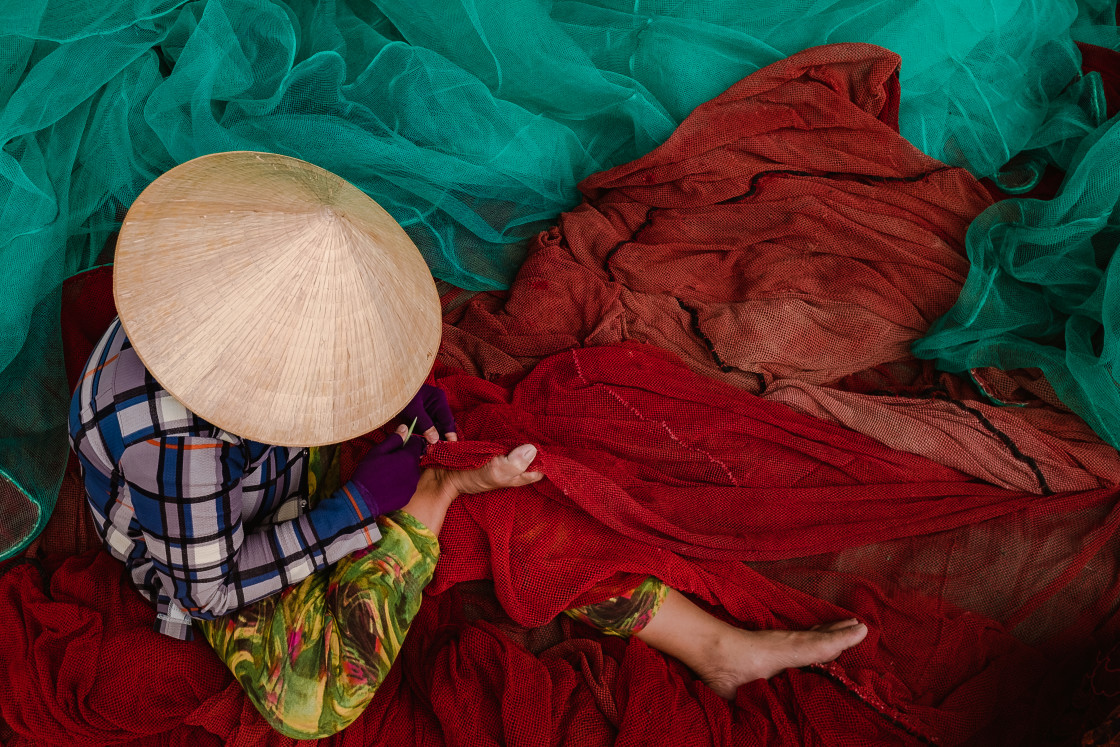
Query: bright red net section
{"type": "Point", "coordinates": [973, 592]}
{"type": "Point", "coordinates": [983, 603]}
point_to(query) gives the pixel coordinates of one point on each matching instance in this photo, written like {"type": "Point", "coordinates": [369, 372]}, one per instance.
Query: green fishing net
{"type": "Point", "coordinates": [470, 121]}
{"type": "Point", "coordinates": [1043, 290]}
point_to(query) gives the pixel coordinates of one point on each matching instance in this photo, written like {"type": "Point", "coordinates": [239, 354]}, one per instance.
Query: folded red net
{"type": "Point", "coordinates": [784, 238]}
{"type": "Point", "coordinates": [983, 603]}
{"type": "Point", "coordinates": [782, 521]}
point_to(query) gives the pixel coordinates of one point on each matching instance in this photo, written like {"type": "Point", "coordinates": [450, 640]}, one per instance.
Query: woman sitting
{"type": "Point", "coordinates": [269, 309]}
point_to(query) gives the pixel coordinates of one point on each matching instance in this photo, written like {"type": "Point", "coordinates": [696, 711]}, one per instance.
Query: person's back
{"type": "Point", "coordinates": [204, 520]}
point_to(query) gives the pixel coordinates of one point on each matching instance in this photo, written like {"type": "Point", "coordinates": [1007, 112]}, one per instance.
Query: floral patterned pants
{"type": "Point", "coordinates": [310, 658]}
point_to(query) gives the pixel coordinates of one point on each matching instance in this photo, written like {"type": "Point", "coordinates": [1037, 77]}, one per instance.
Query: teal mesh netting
{"type": "Point", "coordinates": [470, 121]}
{"type": "Point", "coordinates": [1043, 290]}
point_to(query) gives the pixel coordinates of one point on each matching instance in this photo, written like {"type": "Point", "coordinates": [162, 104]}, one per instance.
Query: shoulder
{"type": "Point", "coordinates": [123, 395]}
{"type": "Point", "coordinates": [193, 467]}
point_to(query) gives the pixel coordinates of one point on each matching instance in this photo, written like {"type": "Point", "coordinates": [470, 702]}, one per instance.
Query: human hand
{"type": "Point", "coordinates": [508, 471]}
{"type": "Point", "coordinates": [439, 487]}
{"type": "Point", "coordinates": [432, 413]}
{"type": "Point", "coordinates": [388, 474]}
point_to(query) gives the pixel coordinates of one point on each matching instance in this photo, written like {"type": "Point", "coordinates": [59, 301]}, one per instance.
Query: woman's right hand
{"type": "Point", "coordinates": [438, 487]}
{"type": "Point", "coordinates": [507, 471]}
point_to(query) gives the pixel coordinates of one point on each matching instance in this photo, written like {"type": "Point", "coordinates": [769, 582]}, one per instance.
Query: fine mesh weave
{"type": "Point", "coordinates": [975, 599]}
{"type": "Point", "coordinates": [1043, 289]}
{"type": "Point", "coordinates": [982, 602]}
{"type": "Point", "coordinates": [471, 122]}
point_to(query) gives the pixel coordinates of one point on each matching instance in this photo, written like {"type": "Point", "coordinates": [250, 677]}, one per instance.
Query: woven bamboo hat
{"type": "Point", "coordinates": [274, 299]}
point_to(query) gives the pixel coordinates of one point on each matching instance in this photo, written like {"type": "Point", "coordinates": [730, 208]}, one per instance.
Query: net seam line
{"type": "Point", "coordinates": [694, 317]}
{"type": "Point", "coordinates": [841, 681]}
{"type": "Point", "coordinates": [1008, 442]}
{"type": "Point", "coordinates": [865, 179]}
{"type": "Point", "coordinates": [752, 188]}
{"type": "Point", "coordinates": [664, 426]}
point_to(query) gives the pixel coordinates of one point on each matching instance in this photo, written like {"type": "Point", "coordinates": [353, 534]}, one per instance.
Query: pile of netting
{"type": "Point", "coordinates": [471, 123]}
{"type": "Point", "coordinates": [709, 340]}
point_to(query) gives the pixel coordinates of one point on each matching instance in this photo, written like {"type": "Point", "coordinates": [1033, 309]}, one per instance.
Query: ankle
{"type": "Point", "coordinates": [706, 650]}
{"type": "Point", "coordinates": [723, 644]}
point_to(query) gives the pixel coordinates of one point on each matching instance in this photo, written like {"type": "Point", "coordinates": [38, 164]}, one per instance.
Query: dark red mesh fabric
{"type": "Point", "coordinates": [783, 238]}
{"type": "Point", "coordinates": [972, 620]}
{"type": "Point", "coordinates": [980, 626]}
{"type": "Point", "coordinates": [668, 450]}
{"type": "Point", "coordinates": [986, 606]}
{"type": "Point", "coordinates": [87, 311]}
{"type": "Point", "coordinates": [79, 651]}
{"type": "Point", "coordinates": [784, 230]}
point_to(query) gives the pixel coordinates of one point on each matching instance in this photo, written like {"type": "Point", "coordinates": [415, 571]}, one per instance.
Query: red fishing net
{"type": "Point", "coordinates": [783, 238]}
{"type": "Point", "coordinates": [986, 604]}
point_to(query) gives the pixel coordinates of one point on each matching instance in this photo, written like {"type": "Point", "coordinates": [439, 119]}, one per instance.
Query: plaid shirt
{"type": "Point", "coordinates": [205, 522]}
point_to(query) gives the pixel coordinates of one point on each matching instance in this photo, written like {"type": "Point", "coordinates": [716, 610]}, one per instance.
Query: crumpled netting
{"type": "Point", "coordinates": [1043, 290]}
{"type": "Point", "coordinates": [470, 122]}
{"type": "Point", "coordinates": [984, 604]}
{"type": "Point", "coordinates": [1096, 23]}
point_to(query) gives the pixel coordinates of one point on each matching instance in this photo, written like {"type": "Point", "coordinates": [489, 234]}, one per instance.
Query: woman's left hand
{"type": "Point", "coordinates": [437, 488]}
{"type": "Point", "coordinates": [388, 474]}
{"type": "Point", "coordinates": [432, 413]}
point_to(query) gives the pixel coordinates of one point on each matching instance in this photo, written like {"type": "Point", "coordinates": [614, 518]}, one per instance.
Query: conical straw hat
{"type": "Point", "coordinates": [274, 299]}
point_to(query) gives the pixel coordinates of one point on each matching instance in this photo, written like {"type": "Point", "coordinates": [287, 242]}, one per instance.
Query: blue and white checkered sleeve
{"type": "Point", "coordinates": [187, 496]}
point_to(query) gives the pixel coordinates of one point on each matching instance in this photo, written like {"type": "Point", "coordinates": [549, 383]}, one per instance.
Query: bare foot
{"type": "Point", "coordinates": [740, 656]}
{"type": "Point", "coordinates": [500, 472]}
